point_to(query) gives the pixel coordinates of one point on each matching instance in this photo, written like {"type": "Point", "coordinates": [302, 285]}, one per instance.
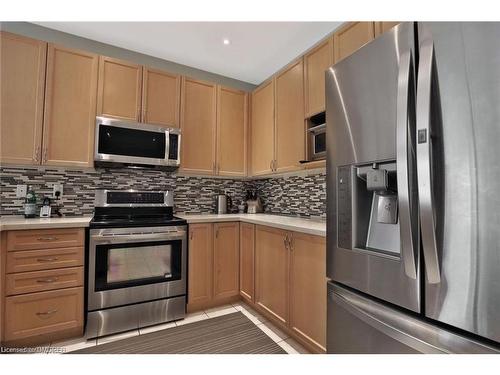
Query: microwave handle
{"type": "Point", "coordinates": [167, 144]}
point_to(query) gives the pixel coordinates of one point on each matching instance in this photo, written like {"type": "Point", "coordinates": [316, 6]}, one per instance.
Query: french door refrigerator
{"type": "Point", "coordinates": [413, 190]}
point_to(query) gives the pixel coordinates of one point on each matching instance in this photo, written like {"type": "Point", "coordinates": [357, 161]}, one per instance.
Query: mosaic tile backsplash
{"type": "Point", "coordinates": [295, 196]}
{"type": "Point", "coordinates": [303, 196]}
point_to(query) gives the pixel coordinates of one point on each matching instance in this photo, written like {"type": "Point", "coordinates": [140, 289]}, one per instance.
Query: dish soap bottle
{"type": "Point", "coordinates": [30, 203]}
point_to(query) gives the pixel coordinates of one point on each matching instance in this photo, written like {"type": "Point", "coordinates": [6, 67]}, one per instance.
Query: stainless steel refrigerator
{"type": "Point", "coordinates": [413, 189]}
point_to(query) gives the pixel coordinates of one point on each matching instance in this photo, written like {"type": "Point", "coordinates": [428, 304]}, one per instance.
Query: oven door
{"type": "Point", "coordinates": [318, 142]}
{"type": "Point", "coordinates": [130, 265]}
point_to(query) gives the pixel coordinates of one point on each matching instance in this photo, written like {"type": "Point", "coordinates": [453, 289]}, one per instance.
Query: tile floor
{"type": "Point", "coordinates": [281, 338]}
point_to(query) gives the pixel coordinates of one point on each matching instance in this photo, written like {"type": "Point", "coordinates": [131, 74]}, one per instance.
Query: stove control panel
{"type": "Point", "coordinates": [133, 198]}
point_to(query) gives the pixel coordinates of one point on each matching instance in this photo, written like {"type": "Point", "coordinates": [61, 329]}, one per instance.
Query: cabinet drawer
{"type": "Point", "coordinates": [43, 313]}
{"type": "Point", "coordinates": [44, 239]}
{"type": "Point", "coordinates": [37, 260]}
{"type": "Point", "coordinates": [39, 281]}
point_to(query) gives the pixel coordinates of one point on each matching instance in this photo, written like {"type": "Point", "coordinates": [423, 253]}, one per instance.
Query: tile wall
{"type": "Point", "coordinates": [293, 195]}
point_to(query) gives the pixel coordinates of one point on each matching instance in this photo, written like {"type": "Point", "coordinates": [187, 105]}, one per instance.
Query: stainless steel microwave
{"type": "Point", "coordinates": [135, 144]}
{"type": "Point", "coordinates": [317, 142]}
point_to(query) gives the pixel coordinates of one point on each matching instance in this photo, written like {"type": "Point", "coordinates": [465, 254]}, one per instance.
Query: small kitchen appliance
{"type": "Point", "coordinates": [223, 203]}
{"type": "Point", "coordinates": [123, 143]}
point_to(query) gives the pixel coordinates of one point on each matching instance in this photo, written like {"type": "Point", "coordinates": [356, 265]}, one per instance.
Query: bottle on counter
{"type": "Point", "coordinates": [30, 203]}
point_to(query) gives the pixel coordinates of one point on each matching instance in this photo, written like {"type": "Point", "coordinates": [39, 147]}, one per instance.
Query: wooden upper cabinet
{"type": "Point", "coordinates": [271, 272]}
{"type": "Point", "coordinates": [198, 123]}
{"type": "Point", "coordinates": [351, 37]}
{"type": "Point", "coordinates": [226, 260]}
{"type": "Point", "coordinates": [70, 107]}
{"type": "Point", "coordinates": [247, 256]}
{"type": "Point", "coordinates": [290, 126]}
{"type": "Point", "coordinates": [232, 107]}
{"type": "Point", "coordinates": [382, 27]}
{"type": "Point", "coordinates": [161, 94]}
{"type": "Point", "coordinates": [119, 90]}
{"type": "Point", "coordinates": [308, 288]}
{"type": "Point", "coordinates": [316, 62]}
{"type": "Point", "coordinates": [200, 263]}
{"type": "Point", "coordinates": [262, 139]}
{"type": "Point", "coordinates": [22, 84]}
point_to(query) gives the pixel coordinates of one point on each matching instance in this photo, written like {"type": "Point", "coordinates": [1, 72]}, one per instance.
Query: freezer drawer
{"type": "Point", "coordinates": [358, 325]}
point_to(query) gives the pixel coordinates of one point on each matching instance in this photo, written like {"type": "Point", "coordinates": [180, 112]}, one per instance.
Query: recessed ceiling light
{"type": "Point", "coordinates": [226, 41]}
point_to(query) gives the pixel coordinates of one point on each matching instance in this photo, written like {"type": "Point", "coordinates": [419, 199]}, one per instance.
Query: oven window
{"type": "Point", "coordinates": [126, 265]}
{"type": "Point", "coordinates": [320, 142]}
{"type": "Point", "coordinates": [131, 142]}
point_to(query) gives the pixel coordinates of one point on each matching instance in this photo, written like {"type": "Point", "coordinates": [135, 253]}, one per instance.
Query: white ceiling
{"type": "Point", "coordinates": [257, 49]}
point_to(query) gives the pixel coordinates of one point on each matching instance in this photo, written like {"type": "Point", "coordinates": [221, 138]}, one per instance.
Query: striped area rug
{"type": "Point", "coordinates": [227, 334]}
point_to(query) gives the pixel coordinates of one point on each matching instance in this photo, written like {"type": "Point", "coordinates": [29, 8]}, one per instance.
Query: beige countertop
{"type": "Point", "coordinates": [19, 222]}
{"type": "Point", "coordinates": [310, 226]}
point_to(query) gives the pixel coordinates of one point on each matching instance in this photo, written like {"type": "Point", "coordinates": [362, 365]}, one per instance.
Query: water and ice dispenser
{"type": "Point", "coordinates": [368, 217]}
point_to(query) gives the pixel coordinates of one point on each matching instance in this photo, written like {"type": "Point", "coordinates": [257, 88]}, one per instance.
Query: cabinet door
{"type": "Point", "coordinates": [198, 121]}
{"type": "Point", "coordinates": [290, 126]}
{"type": "Point", "coordinates": [263, 129]}
{"type": "Point", "coordinates": [200, 263]}
{"type": "Point", "coordinates": [22, 70]}
{"type": "Point", "coordinates": [382, 27]}
{"type": "Point", "coordinates": [316, 62]}
{"type": "Point", "coordinates": [308, 288]}
{"type": "Point", "coordinates": [119, 91]}
{"type": "Point", "coordinates": [231, 132]}
{"type": "Point", "coordinates": [271, 273]}
{"type": "Point", "coordinates": [161, 95]}
{"type": "Point", "coordinates": [226, 260]}
{"type": "Point", "coordinates": [247, 256]}
{"type": "Point", "coordinates": [351, 37]}
{"type": "Point", "coordinates": [44, 313]}
{"type": "Point", "coordinates": [70, 107]}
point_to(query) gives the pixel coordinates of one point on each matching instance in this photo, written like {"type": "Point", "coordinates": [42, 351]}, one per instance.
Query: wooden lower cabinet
{"type": "Point", "coordinates": [226, 260]}
{"type": "Point", "coordinates": [213, 276]}
{"type": "Point", "coordinates": [41, 285]}
{"type": "Point", "coordinates": [200, 264]}
{"type": "Point", "coordinates": [308, 288]}
{"type": "Point", "coordinates": [271, 272]}
{"type": "Point", "coordinates": [247, 261]}
{"type": "Point", "coordinates": [290, 282]}
{"type": "Point", "coordinates": [43, 313]}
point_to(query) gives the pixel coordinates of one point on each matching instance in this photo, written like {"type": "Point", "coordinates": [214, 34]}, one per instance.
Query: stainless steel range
{"type": "Point", "coordinates": [137, 262]}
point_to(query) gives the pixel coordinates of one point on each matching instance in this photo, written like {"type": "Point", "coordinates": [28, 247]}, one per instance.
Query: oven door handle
{"type": "Point", "coordinates": [102, 239]}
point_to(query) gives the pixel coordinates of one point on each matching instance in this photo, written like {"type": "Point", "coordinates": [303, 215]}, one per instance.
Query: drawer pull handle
{"type": "Point", "coordinates": [42, 260]}
{"type": "Point", "coordinates": [47, 238]}
{"type": "Point", "coordinates": [46, 313]}
{"type": "Point", "coordinates": [47, 281]}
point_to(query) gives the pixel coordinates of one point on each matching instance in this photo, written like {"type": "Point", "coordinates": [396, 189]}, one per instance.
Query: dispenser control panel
{"type": "Point", "coordinates": [344, 207]}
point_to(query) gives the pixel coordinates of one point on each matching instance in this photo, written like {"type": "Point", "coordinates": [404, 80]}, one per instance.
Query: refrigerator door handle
{"type": "Point", "coordinates": [424, 161]}
{"type": "Point", "coordinates": [405, 99]}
